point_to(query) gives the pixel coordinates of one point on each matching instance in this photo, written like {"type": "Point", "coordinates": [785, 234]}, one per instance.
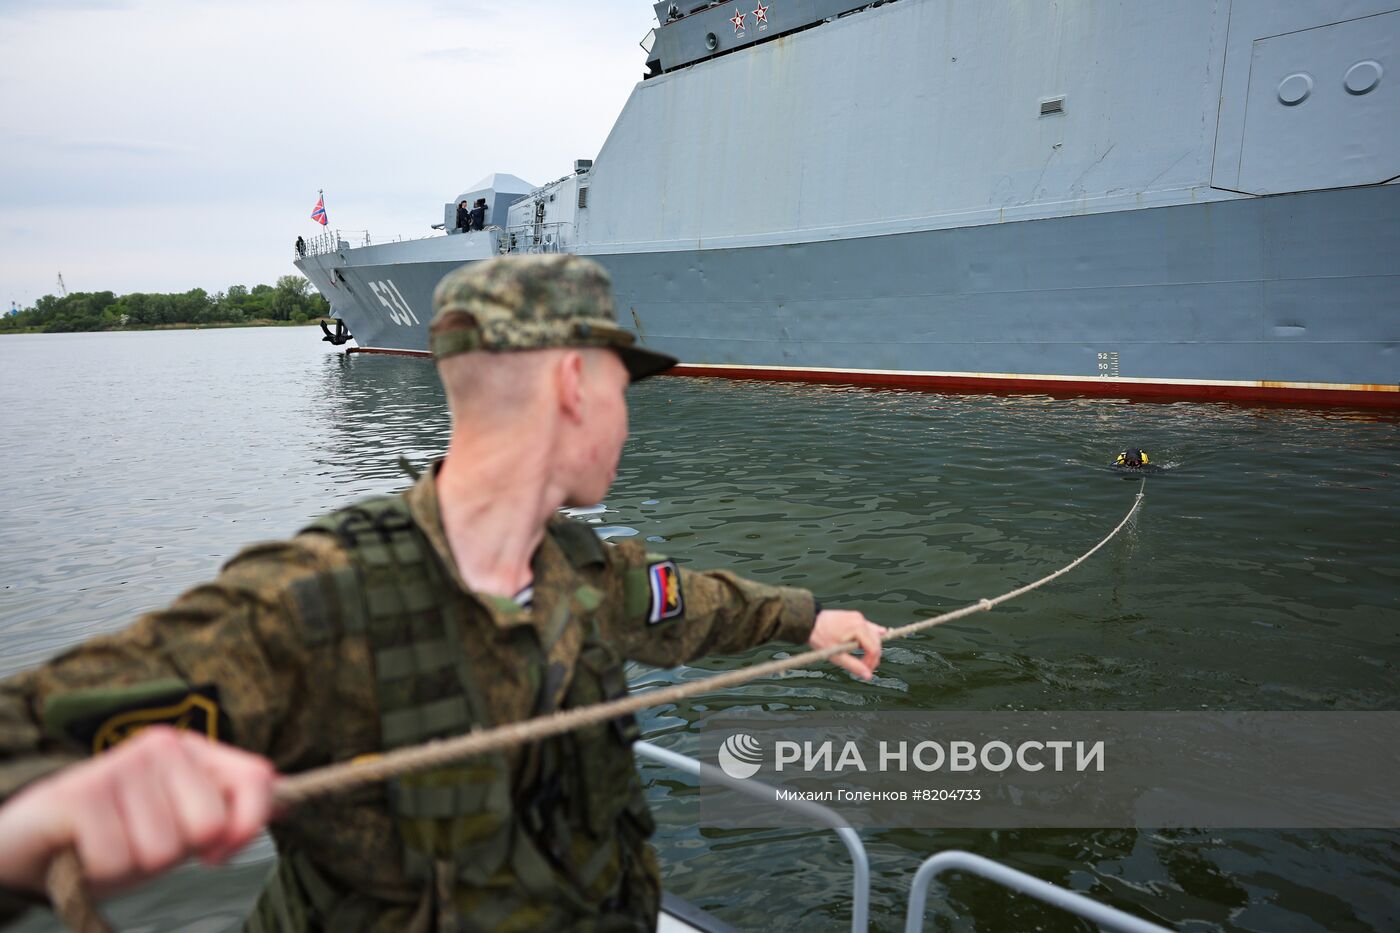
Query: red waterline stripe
{"type": "Point", "coordinates": [1379, 397]}
{"type": "Point", "coordinates": [387, 352]}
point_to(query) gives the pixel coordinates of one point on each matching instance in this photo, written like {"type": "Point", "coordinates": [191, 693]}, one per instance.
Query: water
{"type": "Point", "coordinates": [1262, 574]}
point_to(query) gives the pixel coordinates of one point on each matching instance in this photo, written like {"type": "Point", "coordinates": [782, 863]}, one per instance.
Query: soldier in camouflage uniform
{"type": "Point", "coordinates": [467, 601]}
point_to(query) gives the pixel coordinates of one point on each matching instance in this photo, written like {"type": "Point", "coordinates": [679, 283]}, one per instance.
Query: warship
{"type": "Point", "coordinates": [1177, 200]}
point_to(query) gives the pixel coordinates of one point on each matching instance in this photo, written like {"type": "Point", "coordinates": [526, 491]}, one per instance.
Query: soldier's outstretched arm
{"type": "Point", "coordinates": [665, 615]}
{"type": "Point", "coordinates": [226, 662]}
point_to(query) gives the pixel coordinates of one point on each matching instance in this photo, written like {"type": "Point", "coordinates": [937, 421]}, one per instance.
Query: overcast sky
{"type": "Point", "coordinates": [156, 145]}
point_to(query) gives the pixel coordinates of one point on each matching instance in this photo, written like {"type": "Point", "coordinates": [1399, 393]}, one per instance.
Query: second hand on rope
{"type": "Point", "coordinates": [64, 877]}
{"type": "Point", "coordinates": [298, 787]}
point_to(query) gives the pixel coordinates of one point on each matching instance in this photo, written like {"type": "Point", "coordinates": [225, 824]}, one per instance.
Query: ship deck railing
{"type": "Point", "coordinates": [517, 238]}
{"type": "Point", "coordinates": [337, 241]}
{"type": "Point", "coordinates": [534, 238]}
{"type": "Point", "coordinates": [1108, 918]}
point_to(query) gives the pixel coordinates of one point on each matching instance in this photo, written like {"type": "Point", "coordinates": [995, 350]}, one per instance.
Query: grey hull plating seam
{"type": "Point", "coordinates": [1291, 288]}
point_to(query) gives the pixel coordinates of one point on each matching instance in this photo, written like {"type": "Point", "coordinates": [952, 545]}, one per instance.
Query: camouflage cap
{"type": "Point", "coordinates": [531, 303]}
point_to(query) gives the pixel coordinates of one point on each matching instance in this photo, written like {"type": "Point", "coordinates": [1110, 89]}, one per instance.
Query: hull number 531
{"type": "Point", "coordinates": [390, 297]}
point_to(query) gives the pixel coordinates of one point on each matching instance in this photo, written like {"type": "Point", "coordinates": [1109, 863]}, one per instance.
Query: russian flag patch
{"type": "Point", "coordinates": [666, 599]}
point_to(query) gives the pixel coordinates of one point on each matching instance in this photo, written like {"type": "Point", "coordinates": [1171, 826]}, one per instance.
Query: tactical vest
{"type": "Point", "coordinates": [560, 844]}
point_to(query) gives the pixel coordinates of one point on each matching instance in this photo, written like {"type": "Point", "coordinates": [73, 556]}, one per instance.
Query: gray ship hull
{"type": "Point", "coordinates": [1194, 199]}
{"type": "Point", "coordinates": [1289, 298]}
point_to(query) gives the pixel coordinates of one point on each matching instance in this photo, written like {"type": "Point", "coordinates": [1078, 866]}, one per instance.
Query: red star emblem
{"type": "Point", "coordinates": [738, 20]}
{"type": "Point", "coordinates": [760, 14]}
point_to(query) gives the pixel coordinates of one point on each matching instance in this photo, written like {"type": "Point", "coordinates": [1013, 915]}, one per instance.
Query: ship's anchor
{"type": "Point", "coordinates": [342, 333]}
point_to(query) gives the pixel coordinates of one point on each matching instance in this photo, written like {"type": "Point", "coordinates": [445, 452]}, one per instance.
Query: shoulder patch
{"type": "Point", "coordinates": [667, 601]}
{"type": "Point", "coordinates": [100, 719]}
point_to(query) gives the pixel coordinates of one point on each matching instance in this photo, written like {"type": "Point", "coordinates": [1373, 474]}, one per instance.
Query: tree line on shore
{"type": "Point", "coordinates": [290, 300]}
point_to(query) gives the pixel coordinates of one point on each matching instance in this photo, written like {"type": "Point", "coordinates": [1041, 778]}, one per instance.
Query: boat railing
{"type": "Point", "coordinates": [860, 900]}
{"type": "Point", "coordinates": [1109, 918]}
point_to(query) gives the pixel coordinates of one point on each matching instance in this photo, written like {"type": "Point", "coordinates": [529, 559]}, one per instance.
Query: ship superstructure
{"type": "Point", "coordinates": [1194, 199]}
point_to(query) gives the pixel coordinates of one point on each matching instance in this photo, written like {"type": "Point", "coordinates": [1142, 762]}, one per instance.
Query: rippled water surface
{"type": "Point", "coordinates": [1262, 574]}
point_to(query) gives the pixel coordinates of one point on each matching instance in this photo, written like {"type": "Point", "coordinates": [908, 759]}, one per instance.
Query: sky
{"type": "Point", "coordinates": [155, 145]}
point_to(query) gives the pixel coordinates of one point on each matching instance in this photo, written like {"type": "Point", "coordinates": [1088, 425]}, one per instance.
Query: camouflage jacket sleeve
{"type": "Point", "coordinates": [226, 659]}
{"type": "Point", "coordinates": [15, 904]}
{"type": "Point", "coordinates": [666, 615]}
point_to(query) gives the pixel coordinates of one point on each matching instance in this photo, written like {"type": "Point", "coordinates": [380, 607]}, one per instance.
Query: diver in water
{"type": "Point", "coordinates": [1134, 460]}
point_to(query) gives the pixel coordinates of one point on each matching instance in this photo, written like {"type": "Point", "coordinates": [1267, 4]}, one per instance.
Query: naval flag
{"type": "Point", "coordinates": [319, 214]}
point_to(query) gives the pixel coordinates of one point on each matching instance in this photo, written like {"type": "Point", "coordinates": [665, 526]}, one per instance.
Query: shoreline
{"type": "Point", "coordinates": [213, 325]}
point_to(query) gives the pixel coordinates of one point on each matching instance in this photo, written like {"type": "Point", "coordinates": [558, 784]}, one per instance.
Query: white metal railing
{"type": "Point", "coordinates": [534, 238]}
{"type": "Point", "coordinates": [1109, 918]}
{"type": "Point", "coordinates": [860, 901]}
{"type": "Point", "coordinates": [334, 241]}
{"type": "Point", "coordinates": [327, 241]}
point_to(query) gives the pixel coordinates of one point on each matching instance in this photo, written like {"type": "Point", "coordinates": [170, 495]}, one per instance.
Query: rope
{"type": "Point", "coordinates": [69, 895]}
{"type": "Point", "coordinates": [297, 788]}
